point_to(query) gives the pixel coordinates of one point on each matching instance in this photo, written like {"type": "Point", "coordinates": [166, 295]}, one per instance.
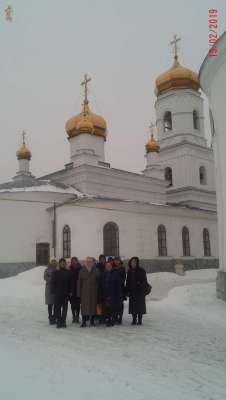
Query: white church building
{"type": "Point", "coordinates": [166, 212]}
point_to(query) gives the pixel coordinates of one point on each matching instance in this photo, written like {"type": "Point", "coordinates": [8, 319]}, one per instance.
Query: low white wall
{"type": "Point", "coordinates": [137, 228]}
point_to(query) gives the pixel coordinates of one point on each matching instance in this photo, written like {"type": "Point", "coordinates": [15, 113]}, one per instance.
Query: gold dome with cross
{"type": "Point", "coordinates": [177, 77]}
{"type": "Point", "coordinates": [23, 153]}
{"type": "Point", "coordinates": [86, 121]}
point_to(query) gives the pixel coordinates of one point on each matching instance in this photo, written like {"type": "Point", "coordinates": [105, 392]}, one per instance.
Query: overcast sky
{"type": "Point", "coordinates": [122, 44]}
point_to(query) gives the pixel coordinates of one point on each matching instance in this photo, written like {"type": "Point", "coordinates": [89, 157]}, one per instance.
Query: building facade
{"type": "Point", "coordinates": [213, 78]}
{"type": "Point", "coordinates": [164, 213]}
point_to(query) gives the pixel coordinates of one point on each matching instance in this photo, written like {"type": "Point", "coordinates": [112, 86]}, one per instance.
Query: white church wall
{"type": "Point", "coordinates": [212, 78]}
{"type": "Point", "coordinates": [217, 103]}
{"type": "Point", "coordinates": [23, 224]}
{"type": "Point", "coordinates": [25, 221]}
{"type": "Point", "coordinates": [137, 228]}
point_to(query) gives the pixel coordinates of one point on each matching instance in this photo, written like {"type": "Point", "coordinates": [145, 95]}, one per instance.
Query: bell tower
{"type": "Point", "coordinates": [184, 154]}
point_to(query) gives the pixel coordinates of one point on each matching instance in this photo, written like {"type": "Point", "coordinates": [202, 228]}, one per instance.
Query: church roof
{"type": "Point", "coordinates": [31, 184]}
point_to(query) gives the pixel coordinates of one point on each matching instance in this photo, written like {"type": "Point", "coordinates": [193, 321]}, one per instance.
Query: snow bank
{"type": "Point", "coordinates": [179, 352]}
{"type": "Point", "coordinates": [163, 282]}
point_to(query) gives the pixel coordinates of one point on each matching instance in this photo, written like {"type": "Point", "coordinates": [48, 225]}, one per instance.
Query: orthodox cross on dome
{"type": "Point", "coordinates": [23, 137]}
{"type": "Point", "coordinates": [151, 127]}
{"type": "Point", "coordinates": [85, 84]}
{"type": "Point", "coordinates": [9, 14]}
{"type": "Point", "coordinates": [175, 46]}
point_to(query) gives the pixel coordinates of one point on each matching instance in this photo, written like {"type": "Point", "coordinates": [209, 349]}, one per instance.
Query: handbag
{"type": "Point", "coordinates": [147, 289]}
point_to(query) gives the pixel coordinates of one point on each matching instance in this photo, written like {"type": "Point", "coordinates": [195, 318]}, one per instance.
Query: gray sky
{"type": "Point", "coordinates": [122, 44]}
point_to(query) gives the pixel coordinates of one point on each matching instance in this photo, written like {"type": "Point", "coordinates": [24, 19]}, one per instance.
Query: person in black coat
{"type": "Point", "coordinates": [61, 288]}
{"type": "Point", "coordinates": [101, 268]}
{"type": "Point", "coordinates": [135, 287]}
{"type": "Point", "coordinates": [118, 266]}
{"type": "Point", "coordinates": [112, 290]}
{"type": "Point", "coordinates": [49, 297]}
{"type": "Point", "coordinates": [75, 268]}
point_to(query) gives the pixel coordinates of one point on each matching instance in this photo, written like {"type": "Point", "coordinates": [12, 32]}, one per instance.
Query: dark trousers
{"type": "Point", "coordinates": [137, 318]}
{"type": "Point", "coordinates": [90, 318]}
{"type": "Point", "coordinates": [61, 311]}
{"type": "Point", "coordinates": [52, 312]}
{"type": "Point", "coordinates": [75, 306]}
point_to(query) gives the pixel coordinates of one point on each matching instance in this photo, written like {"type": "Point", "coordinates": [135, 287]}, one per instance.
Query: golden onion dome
{"type": "Point", "coordinates": [23, 153]}
{"type": "Point", "coordinates": [177, 77]}
{"type": "Point", "coordinates": [78, 124]}
{"type": "Point", "coordinates": [152, 145]}
{"type": "Point", "coordinates": [84, 125]}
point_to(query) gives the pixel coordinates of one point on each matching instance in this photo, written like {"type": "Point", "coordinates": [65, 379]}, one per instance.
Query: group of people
{"type": "Point", "coordinates": [96, 289]}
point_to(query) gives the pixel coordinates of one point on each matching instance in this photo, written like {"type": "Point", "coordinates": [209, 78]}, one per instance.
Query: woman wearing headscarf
{"type": "Point", "coordinates": [136, 285]}
{"type": "Point", "coordinates": [87, 290]}
{"type": "Point", "coordinates": [113, 297]}
{"type": "Point", "coordinates": [49, 296]}
{"type": "Point", "coordinates": [61, 287]}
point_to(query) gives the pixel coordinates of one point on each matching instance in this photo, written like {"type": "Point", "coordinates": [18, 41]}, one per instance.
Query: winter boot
{"type": "Point", "coordinates": [83, 325]}
{"type": "Point", "coordinates": [92, 322]}
{"type": "Point", "coordinates": [139, 319]}
{"type": "Point", "coordinates": [134, 321]}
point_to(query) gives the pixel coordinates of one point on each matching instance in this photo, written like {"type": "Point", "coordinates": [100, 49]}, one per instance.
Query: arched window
{"type": "Point", "coordinates": [185, 242]}
{"type": "Point", "coordinates": [202, 176]}
{"type": "Point", "coordinates": [111, 239]}
{"type": "Point", "coordinates": [196, 120]}
{"type": "Point", "coordinates": [206, 243]}
{"type": "Point", "coordinates": [66, 242]}
{"type": "Point", "coordinates": [169, 176]}
{"type": "Point", "coordinates": [167, 121]}
{"type": "Point", "coordinates": [162, 241]}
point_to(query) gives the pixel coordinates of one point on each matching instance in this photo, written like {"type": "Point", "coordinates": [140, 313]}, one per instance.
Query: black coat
{"type": "Point", "coordinates": [122, 273]}
{"type": "Point", "coordinates": [61, 284]}
{"type": "Point", "coordinates": [135, 287]}
{"type": "Point", "coordinates": [101, 269]}
{"type": "Point", "coordinates": [74, 280]}
{"type": "Point", "coordinates": [112, 290]}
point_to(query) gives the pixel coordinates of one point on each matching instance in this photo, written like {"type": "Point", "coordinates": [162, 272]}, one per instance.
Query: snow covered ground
{"type": "Point", "coordinates": [179, 353]}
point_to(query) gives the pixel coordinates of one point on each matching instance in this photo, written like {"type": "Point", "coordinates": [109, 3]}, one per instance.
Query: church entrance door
{"type": "Point", "coordinates": [42, 253]}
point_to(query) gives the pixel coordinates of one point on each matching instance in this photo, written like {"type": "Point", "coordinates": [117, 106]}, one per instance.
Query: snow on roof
{"type": "Point", "coordinates": [35, 185]}
{"type": "Point", "coordinates": [45, 188]}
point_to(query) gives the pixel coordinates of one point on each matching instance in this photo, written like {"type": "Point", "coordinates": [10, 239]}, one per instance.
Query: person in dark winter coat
{"type": "Point", "coordinates": [75, 269]}
{"type": "Point", "coordinates": [101, 264]}
{"type": "Point", "coordinates": [49, 296]}
{"type": "Point", "coordinates": [88, 290]}
{"type": "Point", "coordinates": [61, 287]}
{"type": "Point", "coordinates": [118, 266]}
{"type": "Point", "coordinates": [113, 297]}
{"type": "Point", "coordinates": [100, 297]}
{"type": "Point", "coordinates": [135, 287]}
